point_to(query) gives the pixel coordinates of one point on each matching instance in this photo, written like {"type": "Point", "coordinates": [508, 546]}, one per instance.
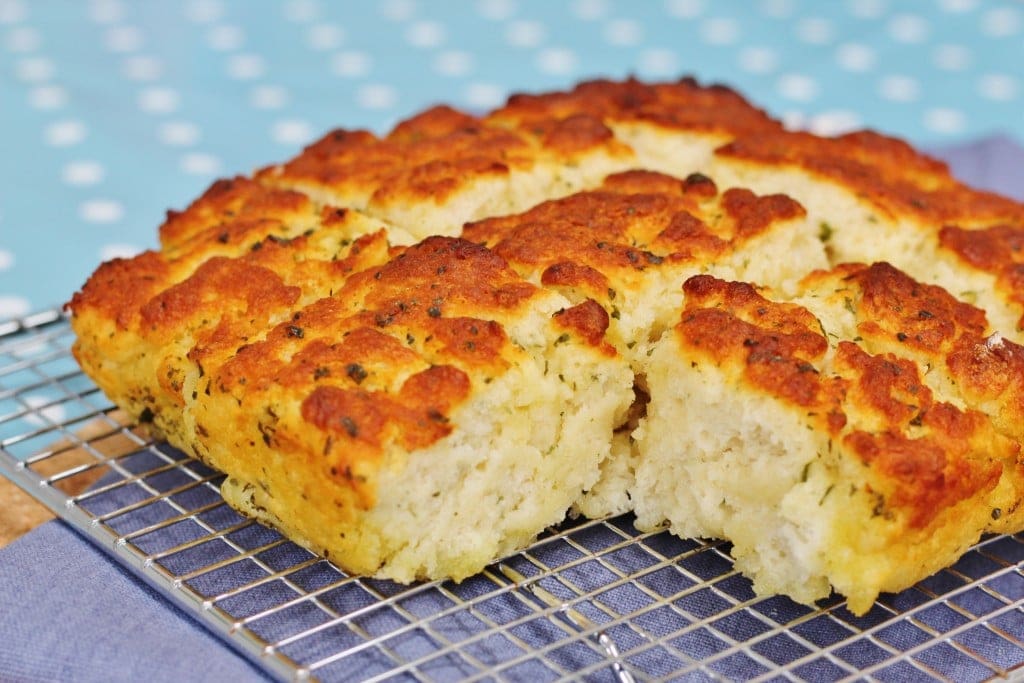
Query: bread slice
{"type": "Point", "coordinates": [875, 198]}
{"type": "Point", "coordinates": [408, 413]}
{"type": "Point", "coordinates": [439, 169]}
{"type": "Point", "coordinates": [825, 464]}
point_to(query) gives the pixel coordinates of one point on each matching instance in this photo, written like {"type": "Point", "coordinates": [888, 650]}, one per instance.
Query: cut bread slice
{"type": "Point", "coordinates": [432, 414]}
{"type": "Point", "coordinates": [826, 465]}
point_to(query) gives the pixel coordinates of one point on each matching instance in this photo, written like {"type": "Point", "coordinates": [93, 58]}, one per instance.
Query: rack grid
{"type": "Point", "coordinates": [591, 599]}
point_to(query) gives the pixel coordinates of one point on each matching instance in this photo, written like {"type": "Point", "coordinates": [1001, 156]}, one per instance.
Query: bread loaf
{"type": "Point", "coordinates": [413, 352]}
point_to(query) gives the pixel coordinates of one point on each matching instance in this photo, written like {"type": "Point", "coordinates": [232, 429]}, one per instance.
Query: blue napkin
{"type": "Point", "coordinates": [71, 614]}
{"type": "Point", "coordinates": [995, 163]}
{"type": "Point", "coordinates": [68, 612]}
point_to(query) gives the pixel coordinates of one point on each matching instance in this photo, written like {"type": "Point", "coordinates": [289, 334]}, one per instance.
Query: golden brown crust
{"type": "Point", "coordinates": [923, 455]}
{"type": "Point", "coordinates": [589, 320]}
{"type": "Point", "coordinates": [683, 105]}
{"type": "Point", "coordinates": [998, 250]}
{"type": "Point", "coordinates": [884, 171]}
{"type": "Point", "coordinates": [776, 345]}
{"type": "Point", "coordinates": [442, 154]}
{"type": "Point", "coordinates": [120, 287]}
{"type": "Point", "coordinates": [435, 156]}
{"type": "Point", "coordinates": [604, 240]}
{"type": "Point", "coordinates": [894, 312]}
{"type": "Point", "coordinates": [922, 477]}
{"type": "Point", "coordinates": [231, 210]}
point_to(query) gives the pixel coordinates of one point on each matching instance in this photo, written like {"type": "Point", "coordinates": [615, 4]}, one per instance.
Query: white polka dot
{"type": "Point", "coordinates": [758, 60]}
{"type": "Point", "coordinates": [351, 64]}
{"type": "Point", "coordinates": [225, 38]}
{"type": "Point", "coordinates": [398, 10]}
{"type": "Point", "coordinates": [123, 39]}
{"type": "Point", "coordinates": [268, 97]}
{"type": "Point", "coordinates": [1001, 22]}
{"type": "Point", "coordinates": [908, 28]}
{"type": "Point", "coordinates": [22, 39]}
{"type": "Point", "coordinates": [6, 259]}
{"type": "Point", "coordinates": [291, 132]}
{"type": "Point", "coordinates": [200, 163]}
{"type": "Point", "coordinates": [855, 57]}
{"type": "Point", "coordinates": [720, 31]}
{"type": "Point", "coordinates": [484, 95]}
{"type": "Point", "coordinates": [958, 6]}
{"type": "Point", "coordinates": [204, 11]}
{"type": "Point", "coordinates": [11, 12]}
{"type": "Point", "coordinates": [496, 10]}
{"type": "Point", "coordinates": [590, 10]}
{"type": "Point", "coordinates": [945, 120]}
{"type": "Point", "coordinates": [999, 87]}
{"type": "Point", "coordinates": [780, 9]}
{"type": "Point", "coordinates": [101, 211]}
{"type": "Point", "coordinates": [82, 173]}
{"type": "Point", "coordinates": [34, 69]}
{"type": "Point", "coordinates": [425, 34]}
{"type": "Point", "coordinates": [47, 97]}
{"type": "Point", "coordinates": [108, 252]}
{"type": "Point", "coordinates": [245, 67]}
{"type": "Point", "coordinates": [106, 11]}
{"type": "Point", "coordinates": [866, 9]}
{"type": "Point", "coordinates": [951, 57]}
{"type": "Point", "coordinates": [376, 96]}
{"type": "Point", "coordinates": [178, 133]}
{"type": "Point", "coordinates": [13, 306]}
{"type": "Point", "coordinates": [623, 32]}
{"type": "Point", "coordinates": [797, 87]}
{"type": "Point", "coordinates": [685, 9]}
{"type": "Point", "coordinates": [324, 37]}
{"type": "Point", "coordinates": [559, 61]}
{"type": "Point", "coordinates": [525, 33]}
{"type": "Point", "coordinates": [142, 68]}
{"type": "Point", "coordinates": [301, 11]}
{"type": "Point", "coordinates": [158, 100]}
{"type": "Point", "coordinates": [898, 88]}
{"type": "Point", "coordinates": [64, 133]}
{"type": "Point", "coordinates": [659, 62]}
{"type": "Point", "coordinates": [453, 63]}
{"type": "Point", "coordinates": [43, 414]}
{"type": "Point", "coordinates": [834, 122]}
{"type": "Point", "coordinates": [815, 31]}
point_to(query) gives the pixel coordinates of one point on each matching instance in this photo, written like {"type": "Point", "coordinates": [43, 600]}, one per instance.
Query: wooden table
{"type": "Point", "coordinates": [20, 512]}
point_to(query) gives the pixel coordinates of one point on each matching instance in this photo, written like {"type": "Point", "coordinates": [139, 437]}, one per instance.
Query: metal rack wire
{"type": "Point", "coordinates": [590, 599]}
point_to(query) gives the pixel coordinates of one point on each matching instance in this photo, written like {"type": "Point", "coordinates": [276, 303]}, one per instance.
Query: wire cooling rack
{"type": "Point", "coordinates": [592, 600]}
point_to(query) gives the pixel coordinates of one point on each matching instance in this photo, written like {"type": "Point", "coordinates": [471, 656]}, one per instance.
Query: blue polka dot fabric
{"type": "Point", "coordinates": [114, 111]}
